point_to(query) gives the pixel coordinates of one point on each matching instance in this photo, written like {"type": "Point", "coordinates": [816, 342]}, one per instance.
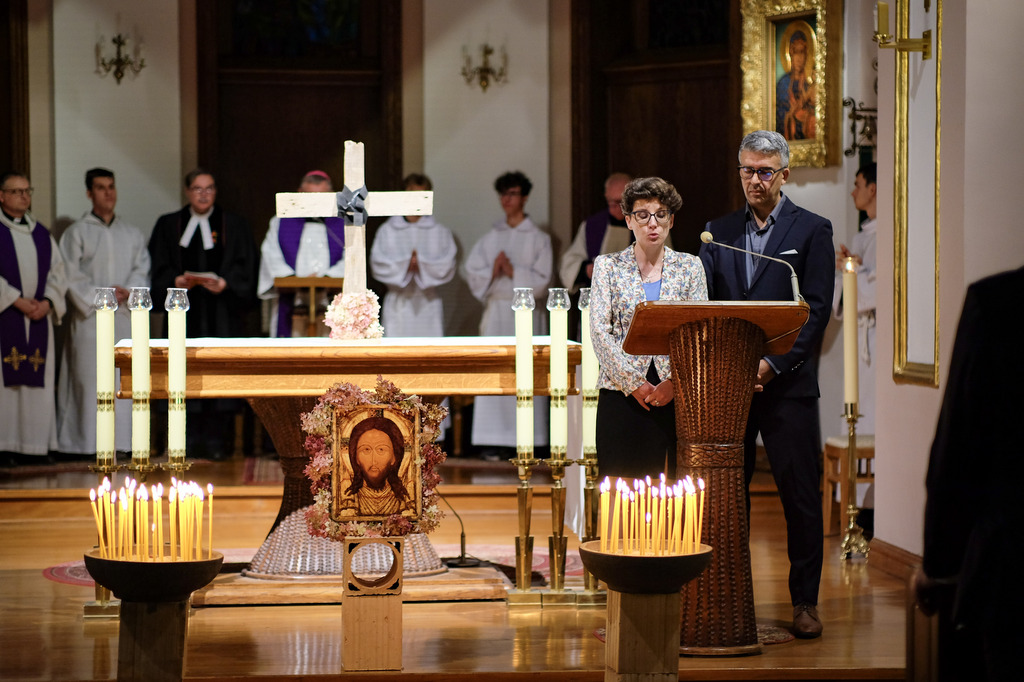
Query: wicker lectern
{"type": "Point", "coordinates": [715, 348]}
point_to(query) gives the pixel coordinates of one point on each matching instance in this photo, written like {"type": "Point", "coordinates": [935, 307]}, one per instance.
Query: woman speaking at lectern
{"type": "Point", "coordinates": [636, 434]}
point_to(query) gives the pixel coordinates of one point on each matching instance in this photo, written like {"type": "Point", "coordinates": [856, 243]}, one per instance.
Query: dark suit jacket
{"type": "Point", "coordinates": [210, 314]}
{"type": "Point", "coordinates": [973, 516]}
{"type": "Point", "coordinates": [804, 240]}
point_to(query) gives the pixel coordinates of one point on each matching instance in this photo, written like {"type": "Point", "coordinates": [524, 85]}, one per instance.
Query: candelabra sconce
{"type": "Point", "coordinates": [854, 542]}
{"type": "Point", "coordinates": [122, 62]}
{"type": "Point", "coordinates": [485, 74]}
{"type": "Point", "coordinates": [887, 40]}
{"type": "Point", "coordinates": [863, 126]}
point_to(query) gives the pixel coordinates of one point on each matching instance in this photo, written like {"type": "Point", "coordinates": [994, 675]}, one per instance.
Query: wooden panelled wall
{"type": "Point", "coordinates": [656, 91]}
{"type": "Point", "coordinates": [277, 99]}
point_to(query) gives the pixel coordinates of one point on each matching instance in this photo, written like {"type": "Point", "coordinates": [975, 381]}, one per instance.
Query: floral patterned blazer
{"type": "Point", "coordinates": [615, 292]}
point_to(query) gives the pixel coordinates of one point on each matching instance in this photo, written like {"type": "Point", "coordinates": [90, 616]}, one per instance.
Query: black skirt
{"type": "Point", "coordinates": [633, 442]}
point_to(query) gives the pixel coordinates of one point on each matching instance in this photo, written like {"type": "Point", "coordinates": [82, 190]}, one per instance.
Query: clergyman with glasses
{"type": "Point", "coordinates": [785, 407]}
{"type": "Point", "coordinates": [32, 289]}
{"type": "Point", "coordinates": [210, 252]}
{"type": "Point", "coordinates": [636, 433]}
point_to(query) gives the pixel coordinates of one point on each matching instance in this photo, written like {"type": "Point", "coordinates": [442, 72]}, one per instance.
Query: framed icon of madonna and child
{"type": "Point", "coordinates": [792, 75]}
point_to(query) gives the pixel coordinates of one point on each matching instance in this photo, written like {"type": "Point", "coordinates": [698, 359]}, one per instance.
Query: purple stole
{"type": "Point", "coordinates": [24, 355]}
{"type": "Point", "coordinates": [289, 237]}
{"type": "Point", "coordinates": [596, 226]}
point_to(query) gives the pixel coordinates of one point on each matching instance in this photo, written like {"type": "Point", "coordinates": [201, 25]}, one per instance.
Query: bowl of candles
{"type": "Point", "coordinates": [133, 559]}
{"type": "Point", "coordinates": [153, 581]}
{"type": "Point", "coordinates": [636, 573]}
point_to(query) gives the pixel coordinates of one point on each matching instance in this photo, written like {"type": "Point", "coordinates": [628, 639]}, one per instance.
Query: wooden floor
{"type": "Point", "coordinates": [45, 637]}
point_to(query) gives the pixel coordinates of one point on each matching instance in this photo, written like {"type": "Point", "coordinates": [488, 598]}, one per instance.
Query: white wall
{"type": "Point", "coordinates": [471, 137]}
{"type": "Point", "coordinates": [133, 128]}
{"type": "Point", "coordinates": [979, 235]}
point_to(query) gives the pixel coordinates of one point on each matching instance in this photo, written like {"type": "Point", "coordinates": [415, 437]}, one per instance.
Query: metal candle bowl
{"type": "Point", "coordinates": [152, 581]}
{"type": "Point", "coordinates": [644, 574]}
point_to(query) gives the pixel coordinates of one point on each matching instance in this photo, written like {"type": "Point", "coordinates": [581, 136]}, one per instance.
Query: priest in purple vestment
{"type": "Point", "coordinates": [303, 247]}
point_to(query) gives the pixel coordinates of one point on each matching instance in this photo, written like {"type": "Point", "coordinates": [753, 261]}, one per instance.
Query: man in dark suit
{"type": "Point", "coordinates": [973, 516]}
{"type": "Point", "coordinates": [785, 407]}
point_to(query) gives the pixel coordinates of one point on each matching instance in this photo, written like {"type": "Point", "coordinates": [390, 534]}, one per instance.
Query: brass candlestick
{"type": "Point", "coordinates": [524, 541]}
{"type": "Point", "coordinates": [558, 542]}
{"type": "Point", "coordinates": [590, 503]}
{"type": "Point", "coordinates": [853, 541]}
{"type": "Point", "coordinates": [102, 606]}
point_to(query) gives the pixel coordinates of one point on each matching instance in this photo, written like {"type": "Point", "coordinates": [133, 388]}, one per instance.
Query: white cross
{"type": "Point", "coordinates": [325, 205]}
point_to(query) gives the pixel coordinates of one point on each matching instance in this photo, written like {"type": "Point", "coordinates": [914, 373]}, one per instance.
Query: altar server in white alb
{"type": "Point", "coordinates": [303, 247]}
{"type": "Point", "coordinates": [515, 253]}
{"type": "Point", "coordinates": [32, 288]}
{"type": "Point", "coordinates": [100, 250]}
{"type": "Point", "coordinates": [413, 255]}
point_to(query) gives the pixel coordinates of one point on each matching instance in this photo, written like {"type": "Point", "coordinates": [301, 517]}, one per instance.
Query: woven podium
{"type": "Point", "coordinates": [715, 348]}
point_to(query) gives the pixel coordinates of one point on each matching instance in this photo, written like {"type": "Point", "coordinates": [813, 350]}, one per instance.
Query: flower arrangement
{"type": "Point", "coordinates": [354, 316]}
{"type": "Point", "coordinates": [318, 423]}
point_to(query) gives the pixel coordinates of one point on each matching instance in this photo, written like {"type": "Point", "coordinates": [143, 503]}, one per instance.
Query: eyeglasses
{"type": "Point", "coordinates": [512, 193]}
{"type": "Point", "coordinates": [203, 190]}
{"type": "Point", "coordinates": [643, 217]}
{"type": "Point", "coordinates": [20, 191]}
{"type": "Point", "coordinates": [763, 174]}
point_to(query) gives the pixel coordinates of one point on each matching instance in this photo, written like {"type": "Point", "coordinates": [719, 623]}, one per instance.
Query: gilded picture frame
{"type": "Point", "coordinates": [917, 199]}
{"type": "Point", "coordinates": [792, 75]}
{"type": "Point", "coordinates": [395, 468]}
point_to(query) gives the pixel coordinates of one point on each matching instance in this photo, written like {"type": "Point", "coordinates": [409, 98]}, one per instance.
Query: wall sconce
{"type": "Point", "coordinates": [121, 62]}
{"type": "Point", "coordinates": [485, 73]}
{"type": "Point", "coordinates": [885, 39]}
{"type": "Point", "coordinates": [867, 119]}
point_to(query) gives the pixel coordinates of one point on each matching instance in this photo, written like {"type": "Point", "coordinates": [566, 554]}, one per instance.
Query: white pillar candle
{"type": "Point", "coordinates": [850, 332]}
{"type": "Point", "coordinates": [589, 371]}
{"type": "Point", "coordinates": [558, 310]}
{"type": "Point", "coordinates": [523, 304]}
{"type": "Point", "coordinates": [176, 305]}
{"type": "Point", "coordinates": [140, 303]}
{"type": "Point", "coordinates": [105, 304]}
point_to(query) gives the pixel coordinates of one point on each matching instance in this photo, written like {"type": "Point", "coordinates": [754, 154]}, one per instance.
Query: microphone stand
{"type": "Point", "coordinates": [462, 561]}
{"type": "Point", "coordinates": [707, 238]}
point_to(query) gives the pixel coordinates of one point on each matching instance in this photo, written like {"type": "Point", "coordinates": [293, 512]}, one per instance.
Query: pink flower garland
{"type": "Point", "coordinates": [318, 422]}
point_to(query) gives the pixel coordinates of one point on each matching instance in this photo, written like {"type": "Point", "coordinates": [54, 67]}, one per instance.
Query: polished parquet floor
{"type": "Point", "coordinates": [44, 520]}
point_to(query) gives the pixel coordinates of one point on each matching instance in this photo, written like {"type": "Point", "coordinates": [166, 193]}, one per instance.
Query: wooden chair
{"type": "Point", "coordinates": [836, 474]}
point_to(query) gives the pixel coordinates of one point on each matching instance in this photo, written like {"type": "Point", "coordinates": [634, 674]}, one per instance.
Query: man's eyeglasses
{"type": "Point", "coordinates": [643, 217]}
{"type": "Point", "coordinates": [22, 191]}
{"type": "Point", "coordinates": [512, 193]}
{"type": "Point", "coordinates": [763, 174]}
{"type": "Point", "coordinates": [203, 190]}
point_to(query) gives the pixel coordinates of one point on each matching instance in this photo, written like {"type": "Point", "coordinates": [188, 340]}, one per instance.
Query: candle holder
{"type": "Point", "coordinates": [591, 593]}
{"type": "Point", "coordinates": [523, 300]}
{"type": "Point", "coordinates": [140, 302]}
{"type": "Point", "coordinates": [154, 610]}
{"type": "Point", "coordinates": [176, 304]}
{"type": "Point", "coordinates": [854, 542]}
{"type": "Point", "coordinates": [643, 624]}
{"type": "Point", "coordinates": [558, 305]}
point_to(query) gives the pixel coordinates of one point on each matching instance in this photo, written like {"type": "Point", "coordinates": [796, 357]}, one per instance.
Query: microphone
{"type": "Point", "coordinates": [708, 238]}
{"type": "Point", "coordinates": [462, 561]}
